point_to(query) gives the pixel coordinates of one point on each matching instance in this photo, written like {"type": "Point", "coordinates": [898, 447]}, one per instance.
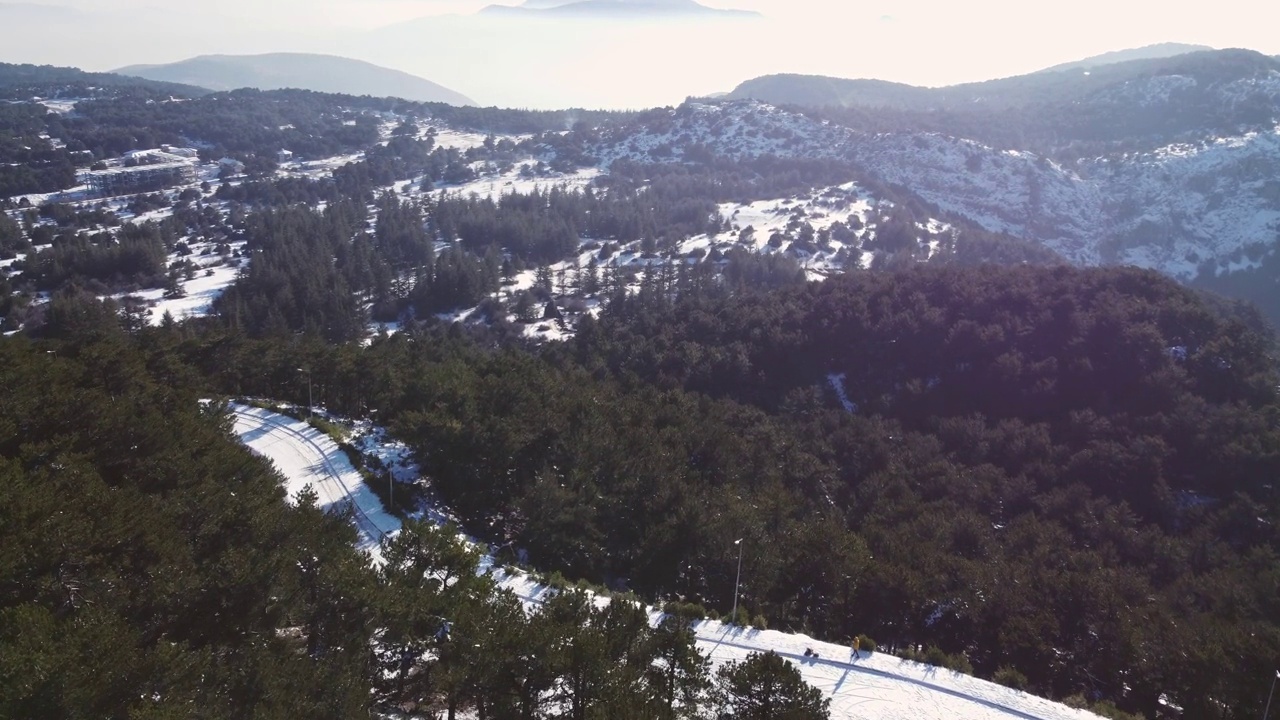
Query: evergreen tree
{"type": "Point", "coordinates": [767, 687]}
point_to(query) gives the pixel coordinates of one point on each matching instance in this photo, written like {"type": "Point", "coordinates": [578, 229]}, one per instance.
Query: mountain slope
{"type": "Point", "coordinates": [1183, 208]}
{"type": "Point", "coordinates": [322, 73]}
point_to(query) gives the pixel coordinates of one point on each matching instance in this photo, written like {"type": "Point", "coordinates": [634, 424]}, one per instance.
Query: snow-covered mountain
{"type": "Point", "coordinates": [1206, 203]}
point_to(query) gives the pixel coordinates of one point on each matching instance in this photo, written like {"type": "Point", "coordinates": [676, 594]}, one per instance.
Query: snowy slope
{"type": "Point", "coordinates": [870, 686]}
{"type": "Point", "coordinates": [734, 130]}
{"type": "Point", "coordinates": [1173, 209]}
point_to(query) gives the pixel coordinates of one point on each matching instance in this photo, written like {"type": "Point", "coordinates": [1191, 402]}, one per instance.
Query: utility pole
{"type": "Point", "coordinates": [737, 583]}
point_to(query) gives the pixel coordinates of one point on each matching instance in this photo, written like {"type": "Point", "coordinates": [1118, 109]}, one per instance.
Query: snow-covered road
{"type": "Point", "coordinates": [874, 686]}
{"type": "Point", "coordinates": [307, 457]}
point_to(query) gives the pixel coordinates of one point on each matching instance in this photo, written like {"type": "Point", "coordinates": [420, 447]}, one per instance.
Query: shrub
{"type": "Point", "coordinates": [687, 611]}
{"type": "Point", "coordinates": [866, 644]}
{"type": "Point", "coordinates": [1104, 708]}
{"type": "Point", "coordinates": [760, 623]}
{"type": "Point", "coordinates": [936, 657]}
{"type": "Point", "coordinates": [714, 615]}
{"type": "Point", "coordinates": [1108, 709]}
{"type": "Point", "coordinates": [333, 430]}
{"type": "Point", "coordinates": [742, 618]}
{"type": "Point", "coordinates": [1011, 678]}
{"type": "Point", "coordinates": [959, 663]}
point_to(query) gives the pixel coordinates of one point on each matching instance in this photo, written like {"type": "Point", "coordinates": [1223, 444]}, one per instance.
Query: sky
{"type": "Point", "coordinates": [623, 64]}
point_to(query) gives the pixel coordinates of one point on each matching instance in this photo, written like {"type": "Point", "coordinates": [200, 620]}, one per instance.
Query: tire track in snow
{"type": "Point", "coordinates": [364, 524]}
{"type": "Point", "coordinates": [720, 641]}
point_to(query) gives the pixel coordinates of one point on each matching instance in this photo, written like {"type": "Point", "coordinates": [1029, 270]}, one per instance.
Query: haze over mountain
{"type": "Point", "coordinates": [532, 57]}
{"type": "Point", "coordinates": [1039, 87]}
{"type": "Point", "coordinates": [614, 9]}
{"type": "Point", "coordinates": [1150, 52]}
{"type": "Point", "coordinates": [322, 73]}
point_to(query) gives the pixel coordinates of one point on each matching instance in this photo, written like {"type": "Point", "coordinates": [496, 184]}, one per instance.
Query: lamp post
{"type": "Point", "coordinates": [1267, 713]}
{"type": "Point", "coordinates": [736, 583]}
{"type": "Point", "coordinates": [310, 404]}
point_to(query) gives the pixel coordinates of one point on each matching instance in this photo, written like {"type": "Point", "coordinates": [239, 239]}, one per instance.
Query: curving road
{"type": "Point", "coordinates": [305, 457]}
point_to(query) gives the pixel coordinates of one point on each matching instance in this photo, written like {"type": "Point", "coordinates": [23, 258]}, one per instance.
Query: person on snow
{"type": "Point", "coordinates": [857, 643]}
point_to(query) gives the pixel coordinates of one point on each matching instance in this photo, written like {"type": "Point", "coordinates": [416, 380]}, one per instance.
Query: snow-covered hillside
{"type": "Point", "coordinates": [734, 130]}
{"type": "Point", "coordinates": [1175, 209]}
{"type": "Point", "coordinates": [1172, 209]}
{"type": "Point", "coordinates": [866, 687]}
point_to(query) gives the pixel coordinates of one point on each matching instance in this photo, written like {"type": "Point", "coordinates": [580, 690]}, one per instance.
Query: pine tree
{"type": "Point", "coordinates": [681, 676]}
{"type": "Point", "coordinates": [768, 687]}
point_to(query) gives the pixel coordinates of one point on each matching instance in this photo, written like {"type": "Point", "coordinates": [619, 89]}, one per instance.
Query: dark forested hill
{"type": "Point", "coordinates": [22, 82]}
{"type": "Point", "coordinates": [1063, 471]}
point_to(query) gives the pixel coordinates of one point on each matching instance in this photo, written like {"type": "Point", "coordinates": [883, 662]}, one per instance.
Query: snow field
{"type": "Point", "coordinates": [871, 686]}
{"type": "Point", "coordinates": [512, 182]}
{"type": "Point", "coordinates": [201, 290]}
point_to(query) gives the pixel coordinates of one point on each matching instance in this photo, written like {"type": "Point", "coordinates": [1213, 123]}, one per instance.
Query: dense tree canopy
{"type": "Point", "coordinates": [1063, 471]}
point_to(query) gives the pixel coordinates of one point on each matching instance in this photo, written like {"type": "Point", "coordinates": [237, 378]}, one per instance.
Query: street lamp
{"type": "Point", "coordinates": [737, 583]}
{"type": "Point", "coordinates": [310, 404]}
{"type": "Point", "coordinates": [1267, 713]}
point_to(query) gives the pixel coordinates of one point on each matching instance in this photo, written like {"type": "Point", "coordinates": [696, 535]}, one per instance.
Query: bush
{"type": "Point", "coordinates": [714, 615]}
{"type": "Point", "coordinates": [1108, 709]}
{"type": "Point", "coordinates": [866, 644]}
{"type": "Point", "coordinates": [1011, 678]}
{"type": "Point", "coordinates": [687, 611]}
{"type": "Point", "coordinates": [333, 430]}
{"type": "Point", "coordinates": [936, 657]}
{"type": "Point", "coordinates": [958, 662]}
{"type": "Point", "coordinates": [742, 618]}
{"type": "Point", "coordinates": [1104, 708]}
{"type": "Point", "coordinates": [760, 623]}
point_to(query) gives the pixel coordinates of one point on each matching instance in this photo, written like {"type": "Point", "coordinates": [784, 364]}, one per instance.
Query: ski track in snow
{"type": "Point", "coordinates": [871, 686]}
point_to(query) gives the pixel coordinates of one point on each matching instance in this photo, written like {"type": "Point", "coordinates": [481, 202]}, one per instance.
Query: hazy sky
{"type": "Point", "coordinates": [925, 42]}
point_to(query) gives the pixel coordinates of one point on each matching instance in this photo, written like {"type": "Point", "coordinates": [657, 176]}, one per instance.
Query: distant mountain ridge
{"type": "Point", "coordinates": [321, 73]}
{"type": "Point", "coordinates": [612, 9]}
{"type": "Point", "coordinates": [1149, 52]}
{"type": "Point", "coordinates": [1039, 88]}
